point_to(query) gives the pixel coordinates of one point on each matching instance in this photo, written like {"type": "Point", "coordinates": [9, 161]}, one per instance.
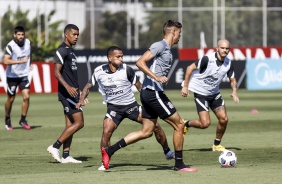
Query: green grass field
{"type": "Point", "coordinates": [255, 138]}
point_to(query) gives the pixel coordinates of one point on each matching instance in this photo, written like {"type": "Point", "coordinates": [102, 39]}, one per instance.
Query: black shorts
{"type": "Point", "coordinates": [156, 104]}
{"type": "Point", "coordinates": [203, 103]}
{"type": "Point", "coordinates": [69, 107]}
{"type": "Point", "coordinates": [13, 83]}
{"type": "Point", "coordinates": [118, 112]}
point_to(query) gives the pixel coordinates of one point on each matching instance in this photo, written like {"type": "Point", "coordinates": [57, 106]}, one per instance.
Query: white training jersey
{"type": "Point", "coordinates": [16, 52]}
{"type": "Point", "coordinates": [115, 87]}
{"type": "Point", "coordinates": [207, 83]}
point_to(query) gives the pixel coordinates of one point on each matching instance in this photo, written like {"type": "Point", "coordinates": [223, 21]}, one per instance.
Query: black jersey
{"type": "Point", "coordinates": [66, 57]}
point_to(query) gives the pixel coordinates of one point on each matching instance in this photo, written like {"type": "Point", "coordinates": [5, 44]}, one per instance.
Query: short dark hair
{"type": "Point", "coordinates": [19, 29]}
{"type": "Point", "coordinates": [169, 24]}
{"type": "Point", "coordinates": [111, 49]}
{"type": "Point", "coordinates": [69, 27]}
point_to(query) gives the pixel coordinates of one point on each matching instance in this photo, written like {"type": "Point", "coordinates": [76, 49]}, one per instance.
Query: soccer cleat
{"type": "Point", "coordinates": [8, 125]}
{"type": "Point", "coordinates": [185, 168]}
{"type": "Point", "coordinates": [218, 148]}
{"type": "Point", "coordinates": [185, 130]}
{"type": "Point", "coordinates": [70, 159]}
{"type": "Point", "coordinates": [54, 152]}
{"type": "Point", "coordinates": [24, 125]}
{"type": "Point", "coordinates": [101, 168]}
{"type": "Point", "coordinates": [105, 158]}
{"type": "Point", "coordinates": [170, 155]}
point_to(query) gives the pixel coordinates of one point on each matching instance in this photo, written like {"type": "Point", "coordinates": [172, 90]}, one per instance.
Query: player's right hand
{"type": "Point", "coordinates": [24, 59]}
{"type": "Point", "coordinates": [72, 91]}
{"type": "Point", "coordinates": [162, 79]}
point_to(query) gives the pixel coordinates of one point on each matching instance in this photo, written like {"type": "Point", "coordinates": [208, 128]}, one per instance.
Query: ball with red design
{"type": "Point", "coordinates": [227, 159]}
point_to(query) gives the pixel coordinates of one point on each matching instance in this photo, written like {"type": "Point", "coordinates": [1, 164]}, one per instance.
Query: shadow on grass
{"type": "Point", "coordinates": [210, 149]}
{"type": "Point", "coordinates": [31, 127]}
{"type": "Point", "coordinates": [82, 158]}
{"type": "Point", "coordinates": [136, 167]}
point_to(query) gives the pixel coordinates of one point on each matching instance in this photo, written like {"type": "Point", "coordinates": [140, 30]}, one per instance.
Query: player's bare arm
{"type": "Point", "coordinates": [138, 86]}
{"type": "Point", "coordinates": [188, 73]}
{"type": "Point", "coordinates": [141, 64]}
{"type": "Point", "coordinates": [31, 66]}
{"type": "Point", "coordinates": [83, 100]}
{"type": "Point", "coordinates": [234, 95]}
{"type": "Point", "coordinates": [9, 61]}
{"type": "Point", "coordinates": [71, 90]}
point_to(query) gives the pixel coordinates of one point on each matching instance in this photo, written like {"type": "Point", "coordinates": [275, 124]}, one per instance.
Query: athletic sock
{"type": "Point", "coordinates": [112, 149]}
{"type": "Point", "coordinates": [57, 144]}
{"type": "Point", "coordinates": [178, 158]}
{"type": "Point", "coordinates": [66, 154]}
{"type": "Point", "coordinates": [7, 118]}
{"type": "Point", "coordinates": [23, 118]}
{"type": "Point", "coordinates": [187, 124]}
{"type": "Point", "coordinates": [166, 151]}
{"type": "Point", "coordinates": [216, 142]}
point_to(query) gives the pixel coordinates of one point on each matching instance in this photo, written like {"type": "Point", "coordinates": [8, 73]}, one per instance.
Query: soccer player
{"type": "Point", "coordinates": [115, 81]}
{"type": "Point", "coordinates": [65, 72]}
{"type": "Point", "coordinates": [18, 60]}
{"type": "Point", "coordinates": [203, 78]}
{"type": "Point", "coordinates": [156, 63]}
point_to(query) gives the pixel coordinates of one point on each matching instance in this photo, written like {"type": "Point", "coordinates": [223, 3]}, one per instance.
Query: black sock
{"type": "Point", "coordinates": [217, 142]}
{"type": "Point", "coordinates": [57, 144]}
{"type": "Point", "coordinates": [7, 118]}
{"type": "Point", "coordinates": [187, 124]}
{"type": "Point", "coordinates": [178, 158]}
{"type": "Point", "coordinates": [22, 118]}
{"type": "Point", "coordinates": [66, 154]}
{"type": "Point", "coordinates": [166, 151]}
{"type": "Point", "coordinates": [112, 149]}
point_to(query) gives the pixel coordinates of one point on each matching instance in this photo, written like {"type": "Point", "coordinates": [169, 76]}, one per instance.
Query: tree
{"type": "Point", "coordinates": [111, 31]}
{"type": "Point", "coordinates": [13, 19]}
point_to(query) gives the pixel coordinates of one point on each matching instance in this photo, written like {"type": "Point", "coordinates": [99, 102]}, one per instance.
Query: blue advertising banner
{"type": "Point", "coordinates": [264, 74]}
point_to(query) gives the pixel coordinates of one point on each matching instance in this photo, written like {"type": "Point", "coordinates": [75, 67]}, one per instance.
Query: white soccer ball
{"type": "Point", "coordinates": [227, 159]}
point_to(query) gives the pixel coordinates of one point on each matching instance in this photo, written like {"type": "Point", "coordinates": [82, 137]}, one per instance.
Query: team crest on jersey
{"type": "Point", "coordinates": [113, 113]}
{"type": "Point", "coordinates": [67, 109]}
{"type": "Point", "coordinates": [170, 105]}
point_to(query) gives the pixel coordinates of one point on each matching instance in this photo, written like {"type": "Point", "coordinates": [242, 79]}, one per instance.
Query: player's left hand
{"type": "Point", "coordinates": [235, 97]}
{"type": "Point", "coordinates": [78, 105]}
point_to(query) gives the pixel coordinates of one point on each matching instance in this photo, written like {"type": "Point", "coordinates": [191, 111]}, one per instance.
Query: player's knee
{"type": "Point", "coordinates": [11, 100]}
{"type": "Point", "coordinates": [157, 128]}
{"type": "Point", "coordinates": [223, 120]}
{"type": "Point", "coordinates": [148, 134]}
{"type": "Point", "coordinates": [205, 124]}
{"type": "Point", "coordinates": [26, 98]}
{"type": "Point", "coordinates": [80, 125]}
{"type": "Point", "coordinates": [108, 132]}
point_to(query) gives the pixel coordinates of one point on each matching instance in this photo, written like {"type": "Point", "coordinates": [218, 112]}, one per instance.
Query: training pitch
{"type": "Point", "coordinates": [254, 133]}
